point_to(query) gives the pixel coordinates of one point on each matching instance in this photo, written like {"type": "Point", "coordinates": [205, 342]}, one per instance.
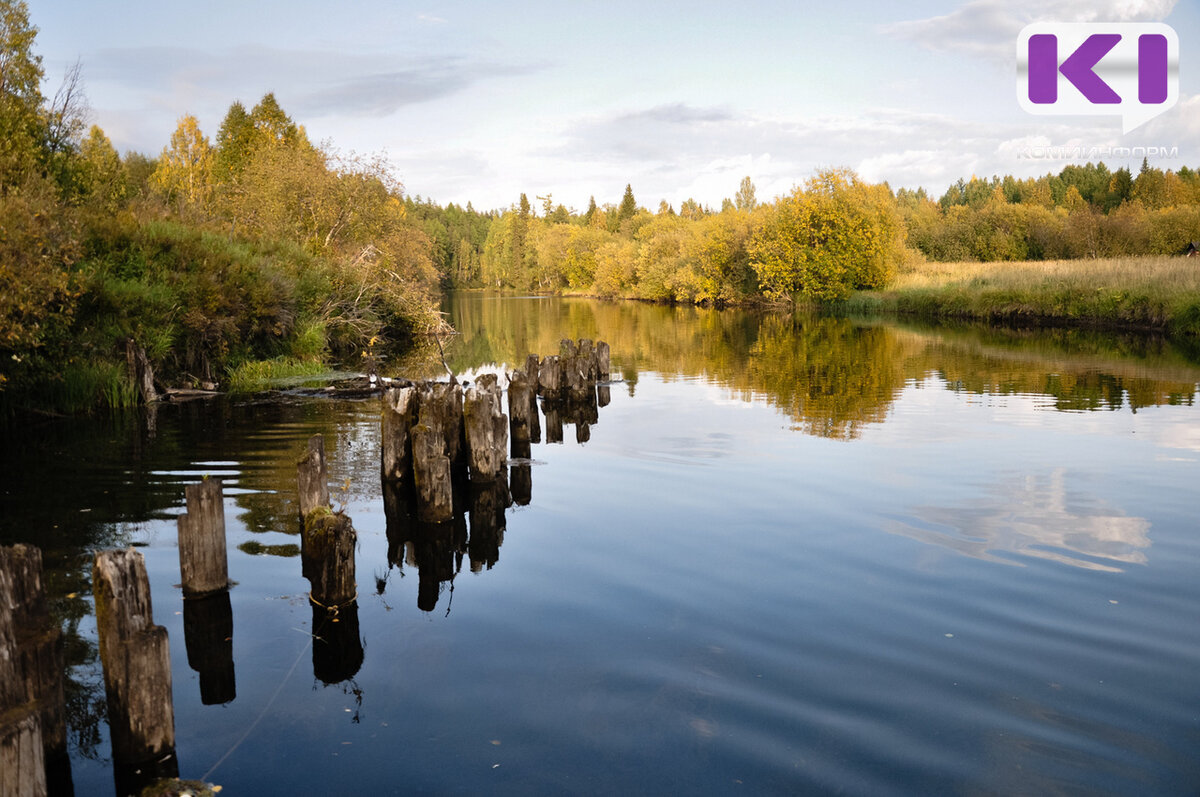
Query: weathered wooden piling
{"type": "Point", "coordinates": [431, 474]}
{"type": "Point", "coordinates": [137, 665]}
{"type": "Point", "coordinates": [203, 562]}
{"type": "Point", "coordinates": [312, 477]}
{"type": "Point", "coordinates": [140, 372]}
{"type": "Point", "coordinates": [443, 408]}
{"type": "Point", "coordinates": [520, 395]}
{"type": "Point", "coordinates": [208, 637]}
{"type": "Point", "coordinates": [39, 651]}
{"type": "Point", "coordinates": [588, 363]}
{"type": "Point", "coordinates": [486, 429]}
{"type": "Point", "coordinates": [39, 656]}
{"type": "Point", "coordinates": [532, 367]}
{"type": "Point", "coordinates": [400, 408]}
{"type": "Point", "coordinates": [603, 361]}
{"type": "Point", "coordinates": [550, 376]}
{"type": "Point", "coordinates": [603, 395]}
{"type": "Point", "coordinates": [329, 543]}
{"type": "Point", "coordinates": [22, 752]}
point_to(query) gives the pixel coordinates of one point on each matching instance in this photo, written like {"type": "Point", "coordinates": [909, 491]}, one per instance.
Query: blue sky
{"type": "Point", "coordinates": [481, 101]}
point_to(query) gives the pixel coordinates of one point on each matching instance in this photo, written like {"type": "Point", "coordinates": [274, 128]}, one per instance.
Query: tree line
{"type": "Point", "coordinates": [834, 234]}
{"type": "Point", "coordinates": [256, 244]}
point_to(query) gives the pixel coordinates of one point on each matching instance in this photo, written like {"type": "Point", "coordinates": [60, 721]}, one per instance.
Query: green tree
{"type": "Point", "coordinates": [628, 206]}
{"type": "Point", "coordinates": [235, 142]}
{"type": "Point", "coordinates": [22, 127]}
{"type": "Point", "coordinates": [273, 126]}
{"type": "Point", "coordinates": [184, 172]}
{"type": "Point", "coordinates": [744, 199]}
{"type": "Point", "coordinates": [101, 175]}
{"type": "Point", "coordinates": [835, 234]}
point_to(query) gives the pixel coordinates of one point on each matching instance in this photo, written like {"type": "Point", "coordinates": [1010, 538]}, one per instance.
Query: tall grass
{"type": "Point", "coordinates": [1155, 293]}
{"type": "Point", "coordinates": [261, 374]}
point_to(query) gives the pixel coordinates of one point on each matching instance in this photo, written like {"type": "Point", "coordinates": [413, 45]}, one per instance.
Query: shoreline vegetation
{"type": "Point", "coordinates": [256, 254]}
{"type": "Point", "coordinates": [1154, 294]}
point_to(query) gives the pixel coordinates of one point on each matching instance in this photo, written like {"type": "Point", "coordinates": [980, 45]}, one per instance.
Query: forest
{"type": "Point", "coordinates": [255, 251]}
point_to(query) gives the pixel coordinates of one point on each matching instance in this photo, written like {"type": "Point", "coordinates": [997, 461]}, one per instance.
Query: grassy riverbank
{"type": "Point", "coordinates": [1151, 293]}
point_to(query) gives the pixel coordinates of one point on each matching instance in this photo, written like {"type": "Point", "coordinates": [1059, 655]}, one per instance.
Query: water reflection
{"type": "Point", "coordinates": [1034, 515]}
{"type": "Point", "coordinates": [208, 635]}
{"type": "Point", "coordinates": [73, 486]}
{"type": "Point", "coordinates": [832, 376]}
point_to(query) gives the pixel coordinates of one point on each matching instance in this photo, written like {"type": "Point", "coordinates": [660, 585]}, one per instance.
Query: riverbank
{"type": "Point", "coordinates": [1156, 293]}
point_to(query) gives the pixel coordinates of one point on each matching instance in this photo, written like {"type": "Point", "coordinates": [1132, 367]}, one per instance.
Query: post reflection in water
{"type": "Point", "coordinates": [337, 649]}
{"type": "Point", "coordinates": [437, 550]}
{"type": "Point", "coordinates": [208, 636]}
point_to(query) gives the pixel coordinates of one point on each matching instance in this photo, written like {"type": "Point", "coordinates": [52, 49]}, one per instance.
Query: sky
{"type": "Point", "coordinates": [475, 101]}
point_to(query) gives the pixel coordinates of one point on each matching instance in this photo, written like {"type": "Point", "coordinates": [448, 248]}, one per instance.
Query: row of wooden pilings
{"type": "Point", "coordinates": [436, 431]}
{"type": "Point", "coordinates": [432, 433]}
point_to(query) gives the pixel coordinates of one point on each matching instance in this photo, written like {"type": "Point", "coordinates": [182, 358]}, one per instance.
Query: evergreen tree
{"type": "Point", "coordinates": [235, 141]}
{"type": "Point", "coordinates": [628, 206]}
{"type": "Point", "coordinates": [272, 125]}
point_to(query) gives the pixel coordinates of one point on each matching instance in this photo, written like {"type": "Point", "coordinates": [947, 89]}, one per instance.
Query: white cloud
{"type": "Point", "coordinates": [989, 28]}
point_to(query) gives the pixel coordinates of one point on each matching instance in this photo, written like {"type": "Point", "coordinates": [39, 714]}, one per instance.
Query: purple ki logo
{"type": "Point", "coordinates": [1126, 69]}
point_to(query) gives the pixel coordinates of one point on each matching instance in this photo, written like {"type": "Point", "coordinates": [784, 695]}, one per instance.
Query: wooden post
{"type": "Point", "coordinates": [603, 395]}
{"type": "Point", "coordinates": [208, 637]}
{"type": "Point", "coordinates": [575, 371]}
{"type": "Point", "coordinates": [329, 543]}
{"type": "Point", "coordinates": [487, 429]}
{"type": "Point", "coordinates": [603, 361]}
{"type": "Point", "coordinates": [203, 562]}
{"type": "Point", "coordinates": [137, 667]}
{"type": "Point", "coordinates": [140, 372]}
{"type": "Point", "coordinates": [22, 756]}
{"type": "Point", "coordinates": [550, 380]}
{"type": "Point", "coordinates": [400, 408]}
{"type": "Point", "coordinates": [312, 477]}
{"type": "Point", "coordinates": [588, 364]}
{"type": "Point", "coordinates": [431, 474]}
{"type": "Point", "coordinates": [40, 656]}
{"type": "Point", "coordinates": [519, 403]}
{"type": "Point", "coordinates": [567, 349]}
{"type": "Point", "coordinates": [441, 410]}
{"type": "Point", "coordinates": [532, 366]}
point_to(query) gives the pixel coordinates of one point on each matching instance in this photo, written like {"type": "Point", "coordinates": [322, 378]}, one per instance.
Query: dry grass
{"type": "Point", "coordinates": [1160, 292]}
{"type": "Point", "coordinates": [1168, 273]}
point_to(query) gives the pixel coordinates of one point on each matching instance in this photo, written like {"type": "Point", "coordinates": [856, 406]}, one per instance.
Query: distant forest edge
{"type": "Point", "coordinates": [258, 246]}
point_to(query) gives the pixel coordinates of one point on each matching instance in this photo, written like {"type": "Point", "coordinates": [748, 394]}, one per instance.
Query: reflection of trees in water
{"type": "Point", "coordinates": [831, 376]}
{"type": "Point", "coordinates": [1034, 515]}
{"type": "Point", "coordinates": [827, 374]}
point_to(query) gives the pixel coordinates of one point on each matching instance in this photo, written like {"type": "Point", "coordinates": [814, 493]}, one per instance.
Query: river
{"type": "Point", "coordinates": [790, 554]}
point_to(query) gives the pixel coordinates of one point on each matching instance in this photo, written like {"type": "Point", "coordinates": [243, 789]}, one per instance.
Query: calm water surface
{"type": "Point", "coordinates": [792, 555]}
